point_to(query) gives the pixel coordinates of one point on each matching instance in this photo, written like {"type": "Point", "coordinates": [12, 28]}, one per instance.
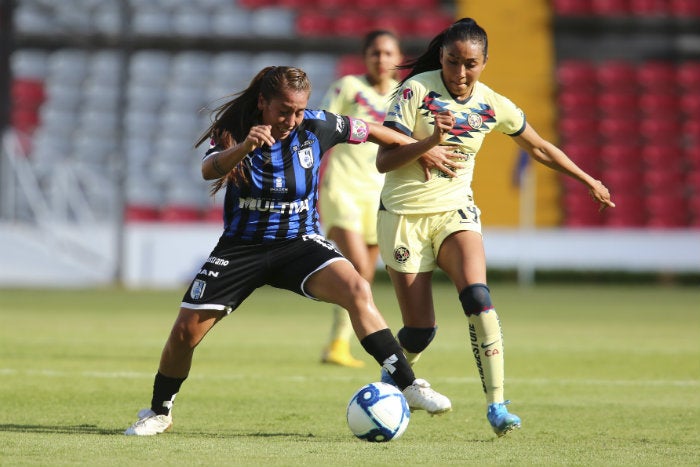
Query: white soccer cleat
{"type": "Point", "coordinates": [149, 424]}
{"type": "Point", "coordinates": [420, 396]}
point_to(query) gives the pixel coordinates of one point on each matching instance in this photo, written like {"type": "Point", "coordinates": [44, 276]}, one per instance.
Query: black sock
{"type": "Point", "coordinates": [387, 352]}
{"type": "Point", "coordinates": [164, 391]}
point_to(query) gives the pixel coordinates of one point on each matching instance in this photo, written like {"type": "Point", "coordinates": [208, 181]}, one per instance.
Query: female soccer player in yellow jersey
{"type": "Point", "coordinates": [429, 220]}
{"type": "Point", "coordinates": [349, 194]}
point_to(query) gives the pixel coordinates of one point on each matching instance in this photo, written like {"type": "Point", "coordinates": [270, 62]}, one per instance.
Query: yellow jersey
{"type": "Point", "coordinates": [412, 112]}
{"type": "Point", "coordinates": [353, 166]}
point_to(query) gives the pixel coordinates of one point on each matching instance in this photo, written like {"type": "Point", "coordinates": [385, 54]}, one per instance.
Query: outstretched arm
{"type": "Point", "coordinates": [548, 154]}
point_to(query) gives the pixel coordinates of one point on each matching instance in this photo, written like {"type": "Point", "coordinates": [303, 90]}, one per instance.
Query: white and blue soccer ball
{"type": "Point", "coordinates": [378, 412]}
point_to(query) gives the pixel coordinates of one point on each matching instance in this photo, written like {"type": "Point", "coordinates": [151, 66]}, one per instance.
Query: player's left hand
{"type": "Point", "coordinates": [601, 194]}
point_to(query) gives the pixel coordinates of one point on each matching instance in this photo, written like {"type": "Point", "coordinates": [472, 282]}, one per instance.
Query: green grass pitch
{"type": "Point", "coordinates": [601, 376]}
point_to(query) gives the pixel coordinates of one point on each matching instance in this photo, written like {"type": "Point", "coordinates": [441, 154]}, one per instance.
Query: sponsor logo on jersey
{"type": "Point", "coordinates": [266, 205]}
{"type": "Point", "coordinates": [401, 254]}
{"type": "Point", "coordinates": [278, 186]}
{"type": "Point", "coordinates": [339, 124]}
{"type": "Point", "coordinates": [197, 290]}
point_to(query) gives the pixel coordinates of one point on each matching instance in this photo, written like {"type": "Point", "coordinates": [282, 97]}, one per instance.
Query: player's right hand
{"type": "Point", "coordinates": [259, 135]}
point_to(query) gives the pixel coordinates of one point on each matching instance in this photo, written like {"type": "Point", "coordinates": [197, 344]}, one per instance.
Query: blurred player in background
{"type": "Point", "coordinates": [429, 220]}
{"type": "Point", "coordinates": [350, 183]}
{"type": "Point", "coordinates": [266, 150]}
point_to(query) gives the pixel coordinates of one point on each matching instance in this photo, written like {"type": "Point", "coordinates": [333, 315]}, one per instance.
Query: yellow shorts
{"type": "Point", "coordinates": [350, 212]}
{"type": "Point", "coordinates": [410, 243]}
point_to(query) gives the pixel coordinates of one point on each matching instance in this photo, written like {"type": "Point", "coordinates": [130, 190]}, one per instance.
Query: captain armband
{"type": "Point", "coordinates": [359, 131]}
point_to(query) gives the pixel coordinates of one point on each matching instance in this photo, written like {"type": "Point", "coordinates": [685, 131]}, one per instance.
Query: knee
{"type": "Point", "coordinates": [475, 299]}
{"type": "Point", "coordinates": [415, 340]}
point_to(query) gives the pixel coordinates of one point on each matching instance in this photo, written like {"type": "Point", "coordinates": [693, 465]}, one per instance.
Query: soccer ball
{"type": "Point", "coordinates": [378, 412]}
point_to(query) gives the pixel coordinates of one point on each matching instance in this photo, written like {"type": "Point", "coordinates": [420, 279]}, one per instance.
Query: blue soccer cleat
{"type": "Point", "coordinates": [386, 378]}
{"type": "Point", "coordinates": [501, 421]}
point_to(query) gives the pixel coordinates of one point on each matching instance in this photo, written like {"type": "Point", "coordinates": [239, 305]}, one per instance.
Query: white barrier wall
{"type": "Point", "coordinates": [168, 255]}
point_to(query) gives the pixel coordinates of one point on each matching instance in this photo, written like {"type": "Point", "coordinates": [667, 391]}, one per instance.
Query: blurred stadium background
{"type": "Point", "coordinates": [101, 101]}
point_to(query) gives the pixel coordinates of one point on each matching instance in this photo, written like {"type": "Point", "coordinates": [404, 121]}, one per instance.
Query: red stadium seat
{"type": "Point", "coordinates": [350, 65]}
{"type": "Point", "coordinates": [349, 23]}
{"type": "Point", "coordinates": [667, 181]}
{"type": "Point", "coordinates": [429, 24]}
{"type": "Point", "coordinates": [609, 7]}
{"type": "Point", "coordinates": [27, 93]}
{"type": "Point", "coordinates": [313, 23]}
{"type": "Point", "coordinates": [628, 181]}
{"type": "Point", "coordinates": [617, 75]}
{"type": "Point", "coordinates": [648, 7]}
{"type": "Point", "coordinates": [180, 213]}
{"type": "Point", "coordinates": [692, 182]}
{"type": "Point", "coordinates": [688, 75]}
{"type": "Point", "coordinates": [690, 103]}
{"type": "Point", "coordinates": [573, 129]}
{"type": "Point", "coordinates": [691, 131]}
{"type": "Point", "coordinates": [617, 103]}
{"type": "Point", "coordinates": [581, 211]}
{"type": "Point", "coordinates": [24, 120]}
{"type": "Point", "coordinates": [691, 157]}
{"type": "Point", "coordinates": [577, 102]}
{"type": "Point", "coordinates": [615, 129]}
{"type": "Point", "coordinates": [141, 213]}
{"type": "Point", "coordinates": [576, 75]}
{"type": "Point", "coordinates": [585, 154]}
{"type": "Point", "coordinates": [660, 127]}
{"type": "Point", "coordinates": [571, 7]}
{"type": "Point", "coordinates": [684, 8]}
{"type": "Point", "coordinates": [666, 210]}
{"type": "Point", "coordinates": [629, 211]}
{"type": "Point", "coordinates": [400, 24]}
{"type": "Point", "coordinates": [620, 155]}
{"type": "Point", "coordinates": [662, 156]}
{"type": "Point", "coordinates": [658, 76]}
{"type": "Point", "coordinates": [652, 103]}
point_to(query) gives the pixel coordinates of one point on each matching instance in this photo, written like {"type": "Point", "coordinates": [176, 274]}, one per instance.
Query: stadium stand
{"type": "Point", "coordinates": [183, 56]}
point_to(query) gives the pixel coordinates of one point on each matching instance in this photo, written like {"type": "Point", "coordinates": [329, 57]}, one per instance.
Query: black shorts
{"type": "Point", "coordinates": [234, 270]}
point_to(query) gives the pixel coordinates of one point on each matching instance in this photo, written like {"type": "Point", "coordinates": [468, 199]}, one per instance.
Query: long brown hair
{"type": "Point", "coordinates": [233, 119]}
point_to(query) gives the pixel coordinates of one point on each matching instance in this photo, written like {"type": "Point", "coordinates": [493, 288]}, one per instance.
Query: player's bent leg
{"type": "Point", "coordinates": [187, 332]}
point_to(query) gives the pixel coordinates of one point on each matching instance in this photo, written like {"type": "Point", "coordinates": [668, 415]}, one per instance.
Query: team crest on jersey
{"type": "Point", "coordinates": [406, 93]}
{"type": "Point", "coordinates": [401, 254]}
{"type": "Point", "coordinates": [306, 157]}
{"type": "Point", "coordinates": [198, 287]}
{"type": "Point", "coordinates": [474, 120]}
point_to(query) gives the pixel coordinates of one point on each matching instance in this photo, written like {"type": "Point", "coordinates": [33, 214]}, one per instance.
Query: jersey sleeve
{"type": "Point", "coordinates": [332, 129]}
{"type": "Point", "coordinates": [403, 108]}
{"type": "Point", "coordinates": [511, 120]}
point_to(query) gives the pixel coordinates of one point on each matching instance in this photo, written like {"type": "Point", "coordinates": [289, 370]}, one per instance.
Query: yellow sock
{"type": "Point", "coordinates": [341, 329]}
{"type": "Point", "coordinates": [486, 341]}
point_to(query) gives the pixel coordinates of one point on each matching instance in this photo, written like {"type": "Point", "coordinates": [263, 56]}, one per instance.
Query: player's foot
{"type": "Point", "coordinates": [420, 396]}
{"type": "Point", "coordinates": [149, 424]}
{"type": "Point", "coordinates": [338, 353]}
{"type": "Point", "coordinates": [501, 421]}
{"type": "Point", "coordinates": [386, 378]}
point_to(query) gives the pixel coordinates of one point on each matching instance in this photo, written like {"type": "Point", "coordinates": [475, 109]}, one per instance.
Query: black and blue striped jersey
{"type": "Point", "coordinates": [278, 197]}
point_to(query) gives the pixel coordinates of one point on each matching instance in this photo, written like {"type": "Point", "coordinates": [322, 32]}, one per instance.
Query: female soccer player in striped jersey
{"type": "Point", "coordinates": [429, 222]}
{"type": "Point", "coordinates": [266, 149]}
{"type": "Point", "coordinates": [351, 184]}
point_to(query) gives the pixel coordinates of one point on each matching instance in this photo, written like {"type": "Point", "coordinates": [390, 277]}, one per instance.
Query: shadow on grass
{"type": "Point", "coordinates": [95, 430]}
{"type": "Point", "coordinates": [69, 429]}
